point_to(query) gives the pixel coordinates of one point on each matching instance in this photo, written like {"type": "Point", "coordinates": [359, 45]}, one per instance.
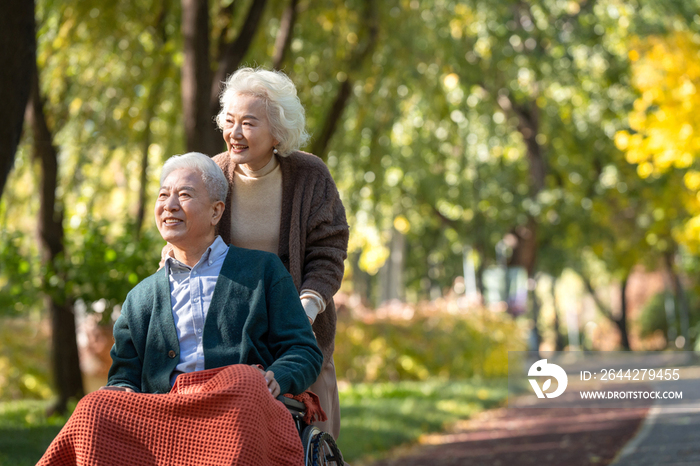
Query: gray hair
{"type": "Point", "coordinates": [212, 176]}
{"type": "Point", "coordinates": [285, 113]}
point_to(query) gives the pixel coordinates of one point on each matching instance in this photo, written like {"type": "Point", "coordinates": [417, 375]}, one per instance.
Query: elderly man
{"type": "Point", "coordinates": [192, 331]}
{"type": "Point", "coordinates": [211, 305]}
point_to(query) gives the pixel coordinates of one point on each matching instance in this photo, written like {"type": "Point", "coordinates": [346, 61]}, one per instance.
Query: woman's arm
{"type": "Point", "coordinates": [326, 242]}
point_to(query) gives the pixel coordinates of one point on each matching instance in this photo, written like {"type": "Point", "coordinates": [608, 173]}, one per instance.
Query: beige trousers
{"type": "Point", "coordinates": [326, 387]}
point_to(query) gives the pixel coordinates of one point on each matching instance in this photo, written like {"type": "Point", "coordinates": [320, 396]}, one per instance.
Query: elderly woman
{"type": "Point", "coordinates": [284, 201]}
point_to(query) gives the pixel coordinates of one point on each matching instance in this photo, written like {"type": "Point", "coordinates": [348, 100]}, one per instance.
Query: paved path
{"type": "Point", "coordinates": [669, 436]}
{"type": "Point", "coordinates": [653, 435]}
{"type": "Point", "coordinates": [528, 436]}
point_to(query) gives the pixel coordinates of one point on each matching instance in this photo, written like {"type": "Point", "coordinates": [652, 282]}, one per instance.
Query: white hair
{"type": "Point", "coordinates": [212, 176]}
{"type": "Point", "coordinates": [285, 113]}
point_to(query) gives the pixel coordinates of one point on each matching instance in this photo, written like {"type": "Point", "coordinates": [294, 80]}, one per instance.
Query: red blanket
{"type": "Point", "coordinates": [223, 416]}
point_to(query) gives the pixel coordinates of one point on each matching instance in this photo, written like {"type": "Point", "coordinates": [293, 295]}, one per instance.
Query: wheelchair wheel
{"type": "Point", "coordinates": [320, 448]}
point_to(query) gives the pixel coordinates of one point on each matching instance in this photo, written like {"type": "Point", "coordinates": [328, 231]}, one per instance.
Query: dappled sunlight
{"type": "Point", "coordinates": [400, 341]}
{"type": "Point", "coordinates": [528, 436]}
{"type": "Point", "coordinates": [380, 416]}
{"type": "Point", "coordinates": [514, 175]}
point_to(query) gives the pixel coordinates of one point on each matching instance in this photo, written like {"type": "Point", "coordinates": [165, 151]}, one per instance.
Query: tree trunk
{"type": "Point", "coordinates": [361, 52]}
{"type": "Point", "coordinates": [17, 61]}
{"type": "Point", "coordinates": [621, 321]}
{"type": "Point", "coordinates": [65, 361]}
{"type": "Point", "coordinates": [332, 118]}
{"type": "Point", "coordinates": [535, 335]}
{"type": "Point", "coordinates": [229, 60]}
{"type": "Point", "coordinates": [232, 54]}
{"type": "Point", "coordinates": [391, 274]}
{"type": "Point", "coordinates": [160, 38]}
{"type": "Point", "coordinates": [681, 298]}
{"type": "Point", "coordinates": [285, 34]}
{"type": "Point", "coordinates": [361, 281]}
{"type": "Point", "coordinates": [201, 86]}
{"type": "Point", "coordinates": [196, 74]}
{"type": "Point", "coordinates": [480, 269]}
{"type": "Point", "coordinates": [559, 339]}
{"type": "Point", "coordinates": [525, 250]}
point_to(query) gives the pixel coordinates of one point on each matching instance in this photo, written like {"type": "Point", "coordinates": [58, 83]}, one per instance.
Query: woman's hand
{"type": "Point", "coordinates": [164, 254]}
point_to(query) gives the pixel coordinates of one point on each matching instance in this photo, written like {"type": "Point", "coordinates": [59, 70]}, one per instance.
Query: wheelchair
{"type": "Point", "coordinates": [320, 448]}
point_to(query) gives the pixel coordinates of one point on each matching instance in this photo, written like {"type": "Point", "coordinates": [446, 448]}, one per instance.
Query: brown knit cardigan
{"type": "Point", "coordinates": [313, 233]}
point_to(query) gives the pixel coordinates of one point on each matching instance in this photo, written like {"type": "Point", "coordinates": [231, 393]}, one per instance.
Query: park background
{"type": "Point", "coordinates": [516, 175]}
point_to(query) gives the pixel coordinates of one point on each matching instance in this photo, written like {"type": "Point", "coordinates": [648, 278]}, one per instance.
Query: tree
{"type": "Point", "coordinates": [64, 349]}
{"type": "Point", "coordinates": [481, 123]}
{"type": "Point", "coordinates": [83, 88]}
{"type": "Point", "coordinates": [284, 36]}
{"type": "Point", "coordinates": [664, 132]}
{"type": "Point", "coordinates": [364, 48]}
{"type": "Point", "coordinates": [200, 81]}
{"type": "Point", "coordinates": [459, 125]}
{"type": "Point", "coordinates": [160, 39]}
{"type": "Point", "coordinates": [17, 56]}
{"type": "Point", "coordinates": [662, 138]}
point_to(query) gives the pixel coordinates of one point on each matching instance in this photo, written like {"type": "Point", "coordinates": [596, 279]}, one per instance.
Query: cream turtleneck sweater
{"type": "Point", "coordinates": [256, 208]}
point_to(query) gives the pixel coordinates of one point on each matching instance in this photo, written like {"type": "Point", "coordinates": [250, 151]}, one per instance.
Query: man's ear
{"type": "Point", "coordinates": [217, 212]}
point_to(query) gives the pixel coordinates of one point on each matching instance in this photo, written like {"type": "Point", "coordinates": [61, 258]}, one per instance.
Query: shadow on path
{"type": "Point", "coordinates": [528, 436]}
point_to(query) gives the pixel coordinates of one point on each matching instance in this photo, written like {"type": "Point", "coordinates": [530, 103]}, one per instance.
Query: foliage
{"type": "Point", "coordinates": [664, 127]}
{"type": "Point", "coordinates": [100, 105]}
{"type": "Point", "coordinates": [24, 351]}
{"type": "Point", "coordinates": [436, 344]}
{"type": "Point", "coordinates": [653, 317]}
{"type": "Point", "coordinates": [377, 417]}
{"type": "Point", "coordinates": [19, 276]}
{"type": "Point", "coordinates": [663, 120]}
{"type": "Point", "coordinates": [102, 268]}
{"type": "Point", "coordinates": [432, 143]}
{"type": "Point", "coordinates": [429, 141]}
{"type": "Point", "coordinates": [99, 271]}
{"type": "Point", "coordinates": [97, 266]}
{"type": "Point", "coordinates": [434, 137]}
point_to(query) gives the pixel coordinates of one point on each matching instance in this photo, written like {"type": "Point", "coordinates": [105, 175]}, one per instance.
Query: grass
{"type": "Point", "coordinates": [25, 431]}
{"type": "Point", "coordinates": [379, 417]}
{"type": "Point", "coordinates": [375, 417]}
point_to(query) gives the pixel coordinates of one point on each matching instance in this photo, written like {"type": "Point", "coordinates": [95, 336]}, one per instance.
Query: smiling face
{"type": "Point", "coordinates": [185, 214]}
{"type": "Point", "coordinates": [247, 132]}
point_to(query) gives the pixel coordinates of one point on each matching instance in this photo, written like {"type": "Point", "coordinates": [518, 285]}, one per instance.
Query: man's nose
{"type": "Point", "coordinates": [172, 203]}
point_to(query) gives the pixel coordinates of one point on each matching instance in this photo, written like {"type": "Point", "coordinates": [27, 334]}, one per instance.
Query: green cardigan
{"type": "Point", "coordinates": [255, 317]}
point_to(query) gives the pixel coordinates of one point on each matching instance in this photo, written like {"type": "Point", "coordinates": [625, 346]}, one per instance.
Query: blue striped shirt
{"type": "Point", "coordinates": [191, 289]}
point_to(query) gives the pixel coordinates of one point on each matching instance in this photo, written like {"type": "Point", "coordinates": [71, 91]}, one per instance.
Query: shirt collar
{"type": "Point", "coordinates": [217, 249]}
